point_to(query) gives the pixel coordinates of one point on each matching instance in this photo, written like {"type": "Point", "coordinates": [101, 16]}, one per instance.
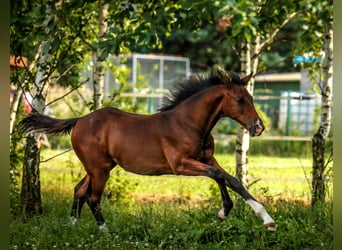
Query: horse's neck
{"type": "Point", "coordinates": [204, 109]}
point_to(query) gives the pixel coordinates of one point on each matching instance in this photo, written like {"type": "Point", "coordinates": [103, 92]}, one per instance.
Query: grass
{"type": "Point", "coordinates": [280, 178]}
{"type": "Point", "coordinates": [178, 212]}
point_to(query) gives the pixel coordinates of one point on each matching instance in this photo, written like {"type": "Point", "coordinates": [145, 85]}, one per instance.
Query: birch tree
{"type": "Point", "coordinates": [99, 61]}
{"type": "Point", "coordinates": [62, 34]}
{"type": "Point", "coordinates": [320, 166]}
{"type": "Point", "coordinates": [256, 25]}
{"type": "Point", "coordinates": [49, 51]}
{"type": "Point", "coordinates": [317, 38]}
{"type": "Point", "coordinates": [30, 192]}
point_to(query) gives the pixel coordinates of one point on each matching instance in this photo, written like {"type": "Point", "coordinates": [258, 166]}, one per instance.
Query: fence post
{"type": "Point", "coordinates": [150, 101]}
{"type": "Point", "coordinates": [288, 120]}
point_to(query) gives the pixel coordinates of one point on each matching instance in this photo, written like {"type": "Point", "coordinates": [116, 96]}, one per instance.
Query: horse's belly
{"type": "Point", "coordinates": [143, 162]}
{"type": "Point", "coordinates": [145, 168]}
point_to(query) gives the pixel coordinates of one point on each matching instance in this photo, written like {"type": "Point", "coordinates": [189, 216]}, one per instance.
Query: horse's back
{"type": "Point", "coordinates": [129, 139]}
{"type": "Point", "coordinates": [104, 122]}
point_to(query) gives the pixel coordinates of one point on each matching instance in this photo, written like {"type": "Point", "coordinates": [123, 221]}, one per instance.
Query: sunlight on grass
{"type": "Point", "coordinates": [285, 178]}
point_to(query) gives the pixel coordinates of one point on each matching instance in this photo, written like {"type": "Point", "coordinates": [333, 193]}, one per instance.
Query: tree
{"type": "Point", "coordinates": [250, 28]}
{"type": "Point", "coordinates": [122, 26]}
{"type": "Point", "coordinates": [99, 68]}
{"type": "Point", "coordinates": [51, 61]}
{"type": "Point", "coordinates": [255, 25]}
{"type": "Point", "coordinates": [317, 37]}
{"type": "Point", "coordinates": [30, 192]}
{"type": "Point", "coordinates": [60, 35]}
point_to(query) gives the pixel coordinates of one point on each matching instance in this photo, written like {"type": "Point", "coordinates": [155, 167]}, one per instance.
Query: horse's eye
{"type": "Point", "coordinates": [240, 100]}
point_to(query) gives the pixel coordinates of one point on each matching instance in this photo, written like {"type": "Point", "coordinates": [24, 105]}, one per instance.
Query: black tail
{"type": "Point", "coordinates": [45, 124]}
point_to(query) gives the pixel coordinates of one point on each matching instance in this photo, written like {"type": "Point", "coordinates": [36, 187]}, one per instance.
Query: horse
{"type": "Point", "coordinates": [176, 140]}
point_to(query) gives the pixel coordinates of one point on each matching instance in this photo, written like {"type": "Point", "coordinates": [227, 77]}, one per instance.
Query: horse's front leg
{"type": "Point", "coordinates": [258, 208]}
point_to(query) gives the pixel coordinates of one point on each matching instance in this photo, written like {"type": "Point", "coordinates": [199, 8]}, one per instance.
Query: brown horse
{"type": "Point", "coordinates": [177, 140]}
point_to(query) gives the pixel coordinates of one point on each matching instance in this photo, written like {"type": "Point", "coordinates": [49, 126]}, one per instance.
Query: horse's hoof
{"type": "Point", "coordinates": [271, 227]}
{"type": "Point", "coordinates": [218, 219]}
{"type": "Point", "coordinates": [104, 228]}
{"type": "Point", "coordinates": [220, 215]}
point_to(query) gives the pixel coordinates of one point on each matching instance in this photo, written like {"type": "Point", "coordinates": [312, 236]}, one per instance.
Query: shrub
{"type": "Point", "coordinates": [119, 188]}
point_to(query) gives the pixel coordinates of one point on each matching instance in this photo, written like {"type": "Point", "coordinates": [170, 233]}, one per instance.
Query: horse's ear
{"type": "Point", "coordinates": [224, 77]}
{"type": "Point", "coordinates": [246, 79]}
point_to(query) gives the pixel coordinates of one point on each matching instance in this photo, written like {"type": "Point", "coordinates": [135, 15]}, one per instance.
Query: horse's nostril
{"type": "Point", "coordinates": [259, 127]}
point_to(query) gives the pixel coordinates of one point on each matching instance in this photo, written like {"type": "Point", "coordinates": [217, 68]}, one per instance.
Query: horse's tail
{"type": "Point", "coordinates": [45, 124]}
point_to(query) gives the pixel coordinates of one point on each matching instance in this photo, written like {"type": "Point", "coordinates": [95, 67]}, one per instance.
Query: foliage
{"type": "Point", "coordinates": [316, 17]}
{"type": "Point", "coordinates": [17, 151]}
{"type": "Point", "coordinates": [268, 147]}
{"type": "Point", "coordinates": [145, 27]}
{"type": "Point", "coordinates": [121, 75]}
{"type": "Point", "coordinates": [199, 37]}
{"type": "Point", "coordinates": [119, 188]}
{"type": "Point", "coordinates": [16, 160]}
{"type": "Point", "coordinates": [28, 30]}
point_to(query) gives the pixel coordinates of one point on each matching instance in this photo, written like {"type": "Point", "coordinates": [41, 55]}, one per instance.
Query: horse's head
{"type": "Point", "coordinates": [238, 103]}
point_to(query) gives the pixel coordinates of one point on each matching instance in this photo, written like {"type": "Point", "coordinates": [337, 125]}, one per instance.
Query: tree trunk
{"type": "Point", "coordinates": [100, 64]}
{"type": "Point", "coordinates": [318, 176]}
{"type": "Point", "coordinates": [31, 203]}
{"type": "Point", "coordinates": [242, 139]}
{"type": "Point", "coordinates": [318, 141]}
{"type": "Point", "coordinates": [250, 53]}
{"type": "Point", "coordinates": [249, 63]}
{"type": "Point", "coordinates": [30, 192]}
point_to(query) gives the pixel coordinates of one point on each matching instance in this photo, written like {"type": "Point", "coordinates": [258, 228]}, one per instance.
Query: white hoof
{"type": "Point", "coordinates": [103, 228]}
{"type": "Point", "coordinates": [261, 212]}
{"type": "Point", "coordinates": [221, 215]}
{"type": "Point", "coordinates": [271, 227]}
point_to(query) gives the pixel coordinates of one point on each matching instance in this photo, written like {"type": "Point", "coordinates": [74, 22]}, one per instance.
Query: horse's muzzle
{"type": "Point", "coordinates": [256, 129]}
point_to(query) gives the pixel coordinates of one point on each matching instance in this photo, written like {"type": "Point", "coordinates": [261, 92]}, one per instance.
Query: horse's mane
{"type": "Point", "coordinates": [196, 83]}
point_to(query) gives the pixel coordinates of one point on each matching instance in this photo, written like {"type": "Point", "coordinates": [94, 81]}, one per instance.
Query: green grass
{"type": "Point", "coordinates": [178, 212]}
{"type": "Point", "coordinates": [167, 225]}
{"type": "Point", "coordinates": [280, 178]}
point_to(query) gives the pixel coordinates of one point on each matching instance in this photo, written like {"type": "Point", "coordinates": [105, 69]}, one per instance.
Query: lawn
{"type": "Point", "coordinates": [285, 178]}
{"type": "Point", "coordinates": [174, 212]}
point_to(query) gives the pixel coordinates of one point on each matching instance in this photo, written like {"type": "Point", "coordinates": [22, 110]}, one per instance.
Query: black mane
{"type": "Point", "coordinates": [196, 83]}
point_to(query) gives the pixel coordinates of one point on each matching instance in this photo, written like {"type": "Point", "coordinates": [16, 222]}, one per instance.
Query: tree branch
{"type": "Point", "coordinates": [274, 33]}
{"type": "Point", "coordinates": [52, 157]}
{"type": "Point", "coordinates": [68, 93]}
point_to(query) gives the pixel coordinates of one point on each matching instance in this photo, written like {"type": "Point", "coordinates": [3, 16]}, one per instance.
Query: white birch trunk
{"type": "Point", "coordinates": [249, 63]}
{"type": "Point", "coordinates": [325, 122]}
{"type": "Point", "coordinates": [318, 141]}
{"type": "Point", "coordinates": [30, 192]}
{"type": "Point", "coordinates": [242, 140]}
{"type": "Point", "coordinates": [99, 63]}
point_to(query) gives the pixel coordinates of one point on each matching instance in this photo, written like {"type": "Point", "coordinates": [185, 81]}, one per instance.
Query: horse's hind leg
{"type": "Point", "coordinates": [82, 193]}
{"type": "Point", "coordinates": [98, 182]}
